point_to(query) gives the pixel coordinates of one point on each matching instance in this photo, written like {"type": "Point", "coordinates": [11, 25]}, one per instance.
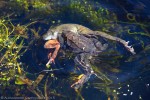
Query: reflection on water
{"type": "Point", "coordinates": [120, 75]}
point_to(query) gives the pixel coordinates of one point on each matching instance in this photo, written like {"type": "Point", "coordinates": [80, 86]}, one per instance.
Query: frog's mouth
{"type": "Point", "coordinates": [50, 36]}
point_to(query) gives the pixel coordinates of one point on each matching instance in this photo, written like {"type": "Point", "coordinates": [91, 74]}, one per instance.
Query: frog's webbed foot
{"type": "Point", "coordinates": [129, 48]}
{"type": "Point", "coordinates": [101, 47]}
{"type": "Point", "coordinates": [80, 82]}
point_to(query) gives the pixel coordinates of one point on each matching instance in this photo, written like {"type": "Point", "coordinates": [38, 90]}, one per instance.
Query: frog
{"type": "Point", "coordinates": [53, 33]}
{"type": "Point", "coordinates": [83, 42]}
{"type": "Point", "coordinates": [84, 49]}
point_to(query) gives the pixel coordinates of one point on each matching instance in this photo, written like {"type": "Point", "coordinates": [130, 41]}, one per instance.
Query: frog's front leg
{"type": "Point", "coordinates": [82, 61]}
{"type": "Point", "coordinates": [52, 44]}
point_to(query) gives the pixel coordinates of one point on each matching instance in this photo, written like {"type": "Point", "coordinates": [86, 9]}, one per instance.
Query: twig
{"type": "Point", "coordinates": [45, 88]}
{"type": "Point", "coordinates": [40, 96]}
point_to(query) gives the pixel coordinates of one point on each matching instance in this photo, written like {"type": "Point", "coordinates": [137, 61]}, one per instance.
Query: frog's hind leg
{"type": "Point", "coordinates": [81, 60]}
{"type": "Point", "coordinates": [107, 36]}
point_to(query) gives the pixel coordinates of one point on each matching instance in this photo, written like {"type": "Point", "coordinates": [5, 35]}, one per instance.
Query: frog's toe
{"type": "Point", "coordinates": [82, 79]}
{"type": "Point", "coordinates": [76, 85]}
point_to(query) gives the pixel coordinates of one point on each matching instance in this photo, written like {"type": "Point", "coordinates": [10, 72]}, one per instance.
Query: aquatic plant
{"type": "Point", "coordinates": [12, 47]}
{"type": "Point", "coordinates": [34, 4]}
{"type": "Point", "coordinates": [95, 15]}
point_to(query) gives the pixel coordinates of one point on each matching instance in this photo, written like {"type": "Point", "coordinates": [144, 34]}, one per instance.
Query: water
{"type": "Point", "coordinates": [122, 75]}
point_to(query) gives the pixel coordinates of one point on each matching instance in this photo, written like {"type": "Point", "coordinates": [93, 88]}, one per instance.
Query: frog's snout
{"type": "Point", "coordinates": [49, 36]}
{"type": "Point", "coordinates": [46, 37]}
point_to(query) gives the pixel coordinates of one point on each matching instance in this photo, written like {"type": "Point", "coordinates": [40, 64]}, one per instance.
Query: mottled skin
{"type": "Point", "coordinates": [84, 48]}
{"type": "Point", "coordinates": [83, 43]}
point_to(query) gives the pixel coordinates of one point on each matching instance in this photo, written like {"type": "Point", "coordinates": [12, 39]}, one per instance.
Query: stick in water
{"type": "Point", "coordinates": [48, 64]}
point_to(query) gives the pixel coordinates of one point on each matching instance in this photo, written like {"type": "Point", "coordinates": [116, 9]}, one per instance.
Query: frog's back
{"type": "Point", "coordinates": [79, 43]}
{"type": "Point", "coordinates": [76, 28]}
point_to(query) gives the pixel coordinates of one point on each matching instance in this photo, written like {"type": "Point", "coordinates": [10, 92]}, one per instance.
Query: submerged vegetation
{"type": "Point", "coordinates": [11, 49]}
{"type": "Point", "coordinates": [22, 22]}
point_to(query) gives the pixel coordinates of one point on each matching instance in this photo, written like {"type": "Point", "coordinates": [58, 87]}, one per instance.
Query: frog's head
{"type": "Point", "coordinates": [51, 34]}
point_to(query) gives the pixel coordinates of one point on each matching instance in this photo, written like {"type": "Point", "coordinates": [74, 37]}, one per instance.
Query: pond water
{"type": "Point", "coordinates": [121, 75]}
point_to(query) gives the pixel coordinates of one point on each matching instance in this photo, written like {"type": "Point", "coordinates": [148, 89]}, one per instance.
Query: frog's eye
{"type": "Point", "coordinates": [50, 31]}
{"type": "Point", "coordinates": [54, 36]}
